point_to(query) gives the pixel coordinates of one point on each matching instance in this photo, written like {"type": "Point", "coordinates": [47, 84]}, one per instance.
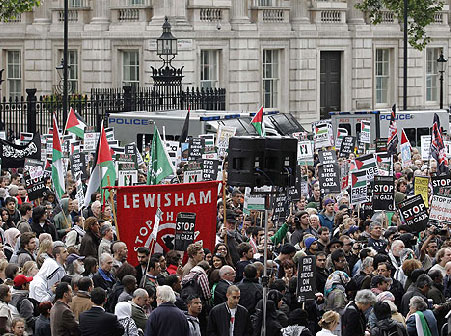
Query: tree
{"type": "Point", "coordinates": [420, 14]}
{"type": "Point", "coordinates": [10, 9]}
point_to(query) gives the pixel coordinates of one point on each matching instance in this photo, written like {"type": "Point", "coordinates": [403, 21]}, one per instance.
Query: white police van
{"type": "Point", "coordinates": [415, 123]}
{"type": "Point", "coordinates": [138, 126]}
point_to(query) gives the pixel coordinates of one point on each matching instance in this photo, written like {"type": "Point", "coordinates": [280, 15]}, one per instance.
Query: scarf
{"type": "Point", "coordinates": [421, 324]}
{"type": "Point", "coordinates": [105, 276]}
{"type": "Point", "coordinates": [337, 279]}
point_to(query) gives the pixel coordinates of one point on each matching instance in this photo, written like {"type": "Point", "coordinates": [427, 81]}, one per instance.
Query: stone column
{"type": "Point", "coordinates": [42, 13]}
{"type": "Point", "coordinates": [101, 12]}
{"type": "Point", "coordinates": [299, 12]}
{"type": "Point", "coordinates": [239, 11]}
{"type": "Point", "coordinates": [355, 16]}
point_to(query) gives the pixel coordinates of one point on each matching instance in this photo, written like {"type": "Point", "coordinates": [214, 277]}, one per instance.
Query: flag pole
{"type": "Point", "coordinates": [112, 207]}
{"type": "Point", "coordinates": [224, 207]}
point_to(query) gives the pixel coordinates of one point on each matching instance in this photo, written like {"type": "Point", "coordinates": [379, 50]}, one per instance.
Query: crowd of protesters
{"type": "Point", "coordinates": [63, 271]}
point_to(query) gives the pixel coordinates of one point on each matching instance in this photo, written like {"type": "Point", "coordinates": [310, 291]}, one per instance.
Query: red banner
{"type": "Point", "coordinates": [136, 208]}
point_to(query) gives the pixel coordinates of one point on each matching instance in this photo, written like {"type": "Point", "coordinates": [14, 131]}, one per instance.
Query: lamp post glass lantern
{"type": "Point", "coordinates": [167, 44]}
{"type": "Point", "coordinates": [441, 63]}
{"type": "Point", "coordinates": [60, 86]}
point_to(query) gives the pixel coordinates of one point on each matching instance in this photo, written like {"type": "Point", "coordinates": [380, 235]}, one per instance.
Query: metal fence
{"type": "Point", "coordinates": [32, 113]}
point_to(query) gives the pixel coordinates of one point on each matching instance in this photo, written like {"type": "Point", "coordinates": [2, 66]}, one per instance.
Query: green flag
{"type": "Point", "coordinates": [160, 166]}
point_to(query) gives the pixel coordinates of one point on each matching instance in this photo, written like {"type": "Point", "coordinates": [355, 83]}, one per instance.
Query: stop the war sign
{"type": "Point", "coordinates": [414, 213]}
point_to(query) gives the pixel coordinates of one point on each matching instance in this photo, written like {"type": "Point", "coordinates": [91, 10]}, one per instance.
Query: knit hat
{"type": "Point", "coordinates": [309, 241]}
{"type": "Point", "coordinates": [328, 201]}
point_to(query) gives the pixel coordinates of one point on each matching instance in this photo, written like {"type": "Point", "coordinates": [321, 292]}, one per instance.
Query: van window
{"type": "Point", "coordinates": [421, 132]}
{"type": "Point", "coordinates": [347, 127]}
{"type": "Point", "coordinates": [411, 135]}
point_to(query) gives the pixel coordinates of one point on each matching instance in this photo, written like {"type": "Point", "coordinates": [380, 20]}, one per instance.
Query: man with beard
{"type": "Point", "coordinates": [323, 238]}
{"type": "Point", "coordinates": [321, 272]}
{"type": "Point", "coordinates": [428, 251]}
{"type": "Point", "coordinates": [302, 224]}
{"type": "Point", "coordinates": [311, 246]}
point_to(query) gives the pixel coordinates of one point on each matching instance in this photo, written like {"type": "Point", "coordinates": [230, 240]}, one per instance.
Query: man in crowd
{"type": "Point", "coordinates": [107, 235]}
{"type": "Point", "coordinates": [120, 254]}
{"type": "Point", "coordinates": [104, 278]}
{"type": "Point", "coordinates": [26, 210]}
{"type": "Point", "coordinates": [443, 256]}
{"type": "Point", "coordinates": [62, 319]}
{"type": "Point", "coordinates": [227, 278]}
{"type": "Point", "coordinates": [138, 303]}
{"type": "Point", "coordinates": [82, 299]}
{"type": "Point", "coordinates": [246, 256]}
{"type": "Point", "coordinates": [195, 255]}
{"type": "Point", "coordinates": [326, 217]}
{"type": "Point", "coordinates": [27, 248]}
{"type": "Point", "coordinates": [143, 259]}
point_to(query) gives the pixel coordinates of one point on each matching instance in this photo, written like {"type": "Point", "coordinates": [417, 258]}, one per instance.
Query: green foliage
{"type": "Point", "coordinates": [420, 14]}
{"type": "Point", "coordinates": [11, 9]}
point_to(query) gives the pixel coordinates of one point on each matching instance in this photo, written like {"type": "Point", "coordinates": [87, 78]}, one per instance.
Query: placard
{"type": "Point", "coordinates": [323, 134]}
{"type": "Point", "coordinates": [426, 147]}
{"type": "Point", "coordinates": [365, 133]}
{"type": "Point", "coordinates": [306, 288]}
{"type": "Point", "coordinates": [381, 145]}
{"type": "Point", "coordinates": [329, 180]}
{"type": "Point", "coordinates": [421, 187]}
{"type": "Point", "coordinates": [210, 170]}
{"type": "Point", "coordinates": [127, 177]}
{"type": "Point", "coordinates": [281, 206]}
{"type": "Point", "coordinates": [192, 176]}
{"type": "Point", "coordinates": [293, 194]}
{"type": "Point", "coordinates": [34, 167]}
{"type": "Point", "coordinates": [222, 139]}
{"type": "Point", "coordinates": [78, 165]}
{"type": "Point", "coordinates": [347, 146]}
{"type": "Point", "coordinates": [253, 201]}
{"type": "Point", "coordinates": [305, 153]}
{"type": "Point", "coordinates": [184, 230]}
{"type": "Point", "coordinates": [209, 143]}
{"type": "Point", "coordinates": [413, 211]}
{"type": "Point", "coordinates": [35, 187]}
{"type": "Point", "coordinates": [327, 157]}
{"type": "Point", "coordinates": [440, 209]}
{"type": "Point", "coordinates": [195, 148]}
{"type": "Point", "coordinates": [440, 184]}
{"type": "Point", "coordinates": [383, 193]}
{"type": "Point", "coordinates": [358, 186]}
{"type": "Point", "coordinates": [90, 141]}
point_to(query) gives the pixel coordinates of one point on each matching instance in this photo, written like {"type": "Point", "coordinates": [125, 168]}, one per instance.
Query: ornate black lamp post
{"type": "Point", "coordinates": [441, 61]}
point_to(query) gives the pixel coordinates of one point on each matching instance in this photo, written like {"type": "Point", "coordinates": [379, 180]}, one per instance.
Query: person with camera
{"type": "Point", "coordinates": [302, 226]}
{"type": "Point", "coordinates": [443, 256]}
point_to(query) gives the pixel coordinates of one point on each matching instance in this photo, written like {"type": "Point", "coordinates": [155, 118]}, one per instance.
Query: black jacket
{"type": "Point", "coordinates": [353, 321]}
{"type": "Point", "coordinates": [321, 278]}
{"type": "Point", "coordinates": [388, 327]}
{"type": "Point", "coordinates": [250, 293]}
{"type": "Point", "coordinates": [97, 322]}
{"type": "Point", "coordinates": [219, 322]}
{"type": "Point", "coordinates": [47, 228]}
{"type": "Point", "coordinates": [99, 281]}
{"type": "Point", "coordinates": [220, 292]}
{"type": "Point", "coordinates": [89, 246]}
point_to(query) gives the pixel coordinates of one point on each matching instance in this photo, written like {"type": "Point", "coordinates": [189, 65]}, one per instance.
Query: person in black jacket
{"type": "Point", "coordinates": [229, 315]}
{"type": "Point", "coordinates": [40, 223]}
{"type": "Point", "coordinates": [251, 290]}
{"type": "Point", "coordinates": [103, 278]}
{"type": "Point", "coordinates": [353, 319]}
{"type": "Point", "coordinates": [91, 240]}
{"type": "Point", "coordinates": [385, 325]}
{"type": "Point", "coordinates": [96, 321]}
{"type": "Point", "coordinates": [227, 275]}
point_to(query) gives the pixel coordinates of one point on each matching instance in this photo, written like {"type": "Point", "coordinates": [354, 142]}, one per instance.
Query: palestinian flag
{"type": "Point", "coordinates": [75, 124]}
{"type": "Point", "coordinates": [341, 134]}
{"type": "Point", "coordinates": [358, 179]}
{"type": "Point", "coordinates": [365, 162]}
{"type": "Point", "coordinates": [392, 143]}
{"type": "Point", "coordinates": [57, 162]}
{"type": "Point", "coordinates": [104, 168]}
{"type": "Point", "coordinates": [257, 122]}
{"type": "Point", "coordinates": [384, 163]}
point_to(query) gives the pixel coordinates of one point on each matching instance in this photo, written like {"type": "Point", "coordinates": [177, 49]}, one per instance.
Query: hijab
{"type": "Point", "coordinates": [123, 310]}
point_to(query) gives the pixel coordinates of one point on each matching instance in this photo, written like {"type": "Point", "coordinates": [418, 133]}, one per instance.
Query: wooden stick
{"type": "Point", "coordinates": [224, 199]}
{"type": "Point", "coordinates": [113, 208]}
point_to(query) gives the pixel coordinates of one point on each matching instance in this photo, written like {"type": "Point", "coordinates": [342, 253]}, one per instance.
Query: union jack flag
{"type": "Point", "coordinates": [438, 147]}
{"type": "Point", "coordinates": [392, 143]}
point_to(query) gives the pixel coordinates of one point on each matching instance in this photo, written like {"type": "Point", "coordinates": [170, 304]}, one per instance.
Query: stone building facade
{"type": "Point", "coordinates": [302, 56]}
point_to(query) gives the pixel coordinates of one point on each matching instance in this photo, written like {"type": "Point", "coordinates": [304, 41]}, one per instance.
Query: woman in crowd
{"type": "Point", "coordinates": [420, 320]}
{"type": "Point", "coordinates": [328, 323]}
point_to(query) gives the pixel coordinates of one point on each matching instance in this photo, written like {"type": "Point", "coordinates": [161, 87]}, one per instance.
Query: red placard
{"type": "Point", "coordinates": [136, 207]}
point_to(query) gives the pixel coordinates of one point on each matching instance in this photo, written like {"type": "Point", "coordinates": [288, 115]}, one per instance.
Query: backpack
{"type": "Point", "coordinates": [191, 287]}
{"type": "Point", "coordinates": [393, 331]}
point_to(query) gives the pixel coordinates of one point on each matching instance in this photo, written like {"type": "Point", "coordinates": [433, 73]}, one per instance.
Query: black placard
{"type": "Point", "coordinates": [360, 146]}
{"type": "Point", "coordinates": [293, 194]}
{"type": "Point", "coordinates": [281, 206]}
{"type": "Point", "coordinates": [383, 193]}
{"type": "Point", "coordinates": [327, 157]}
{"type": "Point", "coordinates": [414, 213]}
{"type": "Point", "coordinates": [78, 164]}
{"type": "Point", "coordinates": [13, 156]}
{"type": "Point", "coordinates": [35, 187]}
{"type": "Point", "coordinates": [210, 169]}
{"type": "Point", "coordinates": [306, 289]}
{"type": "Point", "coordinates": [347, 146]}
{"type": "Point", "coordinates": [440, 184]}
{"type": "Point", "coordinates": [195, 148]}
{"type": "Point", "coordinates": [329, 181]}
{"type": "Point", "coordinates": [381, 145]}
{"type": "Point", "coordinates": [184, 230]}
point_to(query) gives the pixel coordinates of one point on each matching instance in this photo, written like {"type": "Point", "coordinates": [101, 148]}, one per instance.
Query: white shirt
{"type": "Point", "coordinates": [325, 332]}
{"type": "Point", "coordinates": [232, 320]}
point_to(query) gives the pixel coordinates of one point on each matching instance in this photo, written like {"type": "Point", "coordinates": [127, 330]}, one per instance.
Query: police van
{"type": "Point", "coordinates": [414, 123]}
{"type": "Point", "coordinates": [138, 126]}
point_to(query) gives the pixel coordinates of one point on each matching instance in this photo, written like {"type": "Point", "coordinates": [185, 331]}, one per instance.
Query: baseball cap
{"type": "Point", "coordinates": [72, 257]}
{"type": "Point", "coordinates": [21, 279]}
{"type": "Point", "coordinates": [309, 241]}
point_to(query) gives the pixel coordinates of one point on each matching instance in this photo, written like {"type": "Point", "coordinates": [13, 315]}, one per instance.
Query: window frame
{"type": "Point", "coordinates": [274, 81]}
{"type": "Point", "coordinates": [385, 74]}
{"type": "Point", "coordinates": [212, 69]}
{"type": "Point", "coordinates": [136, 82]}
{"type": "Point", "coordinates": [430, 75]}
{"type": "Point", "coordinates": [11, 79]}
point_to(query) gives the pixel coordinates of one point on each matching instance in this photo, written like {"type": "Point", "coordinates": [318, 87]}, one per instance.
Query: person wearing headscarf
{"type": "Point", "coordinates": [298, 321]}
{"type": "Point", "coordinates": [390, 299]}
{"type": "Point", "coordinates": [10, 246]}
{"type": "Point", "coordinates": [123, 311]}
{"type": "Point", "coordinates": [335, 294]}
{"type": "Point", "coordinates": [63, 220]}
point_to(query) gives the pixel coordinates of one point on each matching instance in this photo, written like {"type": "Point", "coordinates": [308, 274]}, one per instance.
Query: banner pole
{"type": "Point", "coordinates": [224, 199]}
{"type": "Point", "coordinates": [113, 208]}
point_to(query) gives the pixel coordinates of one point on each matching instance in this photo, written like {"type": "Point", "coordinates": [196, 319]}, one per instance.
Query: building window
{"type": "Point", "coordinates": [270, 78]}
{"type": "Point", "coordinates": [72, 63]}
{"type": "Point", "coordinates": [130, 68]}
{"type": "Point", "coordinates": [432, 54]}
{"type": "Point", "coordinates": [76, 3]}
{"type": "Point", "coordinates": [264, 2]}
{"type": "Point", "coordinates": [209, 76]}
{"type": "Point", "coordinates": [135, 2]}
{"type": "Point", "coordinates": [382, 75]}
{"type": "Point", "coordinates": [14, 73]}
